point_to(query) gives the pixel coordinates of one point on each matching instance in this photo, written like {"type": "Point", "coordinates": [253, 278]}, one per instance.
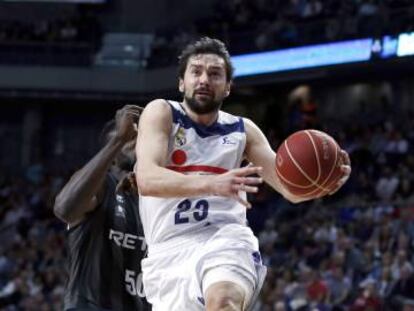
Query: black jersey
{"type": "Point", "coordinates": [104, 256]}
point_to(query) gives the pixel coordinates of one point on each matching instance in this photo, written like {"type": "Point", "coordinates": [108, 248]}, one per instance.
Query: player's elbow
{"type": "Point", "coordinates": [61, 209]}
{"type": "Point", "coordinates": [290, 197]}
{"type": "Point", "coordinates": [144, 186]}
{"type": "Point", "coordinates": [146, 179]}
{"type": "Point", "coordinates": [295, 199]}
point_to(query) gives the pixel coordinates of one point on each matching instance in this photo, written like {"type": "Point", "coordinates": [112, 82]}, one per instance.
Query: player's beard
{"type": "Point", "coordinates": [205, 107]}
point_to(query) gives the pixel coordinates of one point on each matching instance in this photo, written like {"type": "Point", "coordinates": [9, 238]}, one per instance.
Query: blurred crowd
{"type": "Point", "coordinates": [246, 26]}
{"type": "Point", "coordinates": [249, 26]}
{"type": "Point", "coordinates": [69, 29]}
{"type": "Point", "coordinates": [32, 272]}
{"type": "Point", "coordinates": [352, 252]}
{"type": "Point", "coordinates": [67, 41]}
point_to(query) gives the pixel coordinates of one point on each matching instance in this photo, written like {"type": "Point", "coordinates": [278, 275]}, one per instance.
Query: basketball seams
{"type": "Point", "coordinates": [296, 163]}
{"type": "Point", "coordinates": [298, 153]}
{"type": "Point", "coordinates": [336, 154]}
{"type": "Point", "coordinates": [316, 155]}
{"type": "Point", "coordinates": [334, 163]}
{"type": "Point", "coordinates": [313, 183]}
{"type": "Point", "coordinates": [292, 183]}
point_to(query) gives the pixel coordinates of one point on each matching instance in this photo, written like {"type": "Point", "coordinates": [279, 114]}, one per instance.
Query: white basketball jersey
{"type": "Point", "coordinates": [196, 149]}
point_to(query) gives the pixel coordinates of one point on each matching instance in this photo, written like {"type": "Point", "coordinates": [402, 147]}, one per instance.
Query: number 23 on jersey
{"type": "Point", "coordinates": [187, 211]}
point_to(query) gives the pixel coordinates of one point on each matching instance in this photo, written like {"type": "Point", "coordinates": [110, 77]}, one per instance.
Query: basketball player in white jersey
{"type": "Point", "coordinates": [201, 253]}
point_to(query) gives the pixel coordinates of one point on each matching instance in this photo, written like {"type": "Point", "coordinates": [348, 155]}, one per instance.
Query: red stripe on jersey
{"type": "Point", "coordinates": [198, 168]}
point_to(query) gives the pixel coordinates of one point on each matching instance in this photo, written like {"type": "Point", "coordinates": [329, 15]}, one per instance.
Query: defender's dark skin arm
{"type": "Point", "coordinates": [83, 192]}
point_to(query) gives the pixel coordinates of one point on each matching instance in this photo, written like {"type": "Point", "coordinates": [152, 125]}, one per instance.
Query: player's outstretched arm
{"type": "Point", "coordinates": [82, 193]}
{"type": "Point", "coordinates": [259, 152]}
{"type": "Point", "coordinates": [154, 179]}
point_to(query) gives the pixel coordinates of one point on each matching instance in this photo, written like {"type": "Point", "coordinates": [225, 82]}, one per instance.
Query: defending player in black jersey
{"type": "Point", "coordinates": [105, 239]}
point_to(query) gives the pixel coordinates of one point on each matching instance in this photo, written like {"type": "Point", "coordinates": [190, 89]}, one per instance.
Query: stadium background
{"type": "Point", "coordinates": [66, 66]}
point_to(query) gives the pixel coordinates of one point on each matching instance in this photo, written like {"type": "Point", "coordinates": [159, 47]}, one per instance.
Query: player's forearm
{"type": "Point", "coordinates": [270, 177]}
{"type": "Point", "coordinates": [75, 198]}
{"type": "Point", "coordinates": [259, 152]}
{"type": "Point", "coordinates": [161, 182]}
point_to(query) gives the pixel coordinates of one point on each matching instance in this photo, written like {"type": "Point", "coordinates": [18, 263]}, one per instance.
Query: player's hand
{"type": "Point", "coordinates": [345, 163]}
{"type": "Point", "coordinates": [230, 183]}
{"type": "Point", "coordinates": [126, 120]}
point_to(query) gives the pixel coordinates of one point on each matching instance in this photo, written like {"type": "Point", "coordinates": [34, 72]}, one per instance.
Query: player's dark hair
{"type": "Point", "coordinates": [205, 45]}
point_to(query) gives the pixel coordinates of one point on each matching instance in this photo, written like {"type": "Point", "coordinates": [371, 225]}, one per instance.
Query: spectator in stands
{"type": "Point", "coordinates": [339, 286]}
{"type": "Point", "coordinates": [387, 184]}
{"type": "Point", "coordinates": [368, 299]}
{"type": "Point", "coordinates": [403, 288]}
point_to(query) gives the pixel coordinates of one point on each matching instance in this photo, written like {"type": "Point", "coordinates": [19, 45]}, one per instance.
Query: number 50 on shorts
{"type": "Point", "coordinates": [133, 283]}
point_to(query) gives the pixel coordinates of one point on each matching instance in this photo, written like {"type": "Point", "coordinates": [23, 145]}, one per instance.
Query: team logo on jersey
{"type": "Point", "coordinates": [120, 211]}
{"type": "Point", "coordinates": [180, 139]}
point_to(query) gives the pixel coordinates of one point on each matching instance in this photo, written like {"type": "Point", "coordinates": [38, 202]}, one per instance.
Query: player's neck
{"type": "Point", "coordinates": [204, 119]}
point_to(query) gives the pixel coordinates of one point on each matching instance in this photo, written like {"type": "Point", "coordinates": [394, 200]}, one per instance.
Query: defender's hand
{"type": "Point", "coordinates": [126, 120]}
{"type": "Point", "coordinates": [229, 184]}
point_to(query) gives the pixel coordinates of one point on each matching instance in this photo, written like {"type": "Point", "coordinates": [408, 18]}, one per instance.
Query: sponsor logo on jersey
{"type": "Point", "coordinates": [180, 139]}
{"type": "Point", "coordinates": [120, 198]}
{"type": "Point", "coordinates": [127, 240]}
{"type": "Point", "coordinates": [228, 141]}
{"type": "Point", "coordinates": [120, 211]}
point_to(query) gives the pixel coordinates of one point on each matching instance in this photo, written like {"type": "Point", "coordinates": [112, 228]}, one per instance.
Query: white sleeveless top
{"type": "Point", "coordinates": [196, 149]}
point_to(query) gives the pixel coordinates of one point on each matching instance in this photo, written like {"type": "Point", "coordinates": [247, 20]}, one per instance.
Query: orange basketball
{"type": "Point", "coordinates": [308, 163]}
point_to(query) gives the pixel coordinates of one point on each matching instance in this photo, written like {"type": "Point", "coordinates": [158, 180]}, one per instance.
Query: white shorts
{"type": "Point", "coordinates": [175, 277]}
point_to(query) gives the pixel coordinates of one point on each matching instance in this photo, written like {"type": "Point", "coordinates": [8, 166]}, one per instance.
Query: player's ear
{"type": "Point", "coordinates": [181, 85]}
{"type": "Point", "coordinates": [228, 87]}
